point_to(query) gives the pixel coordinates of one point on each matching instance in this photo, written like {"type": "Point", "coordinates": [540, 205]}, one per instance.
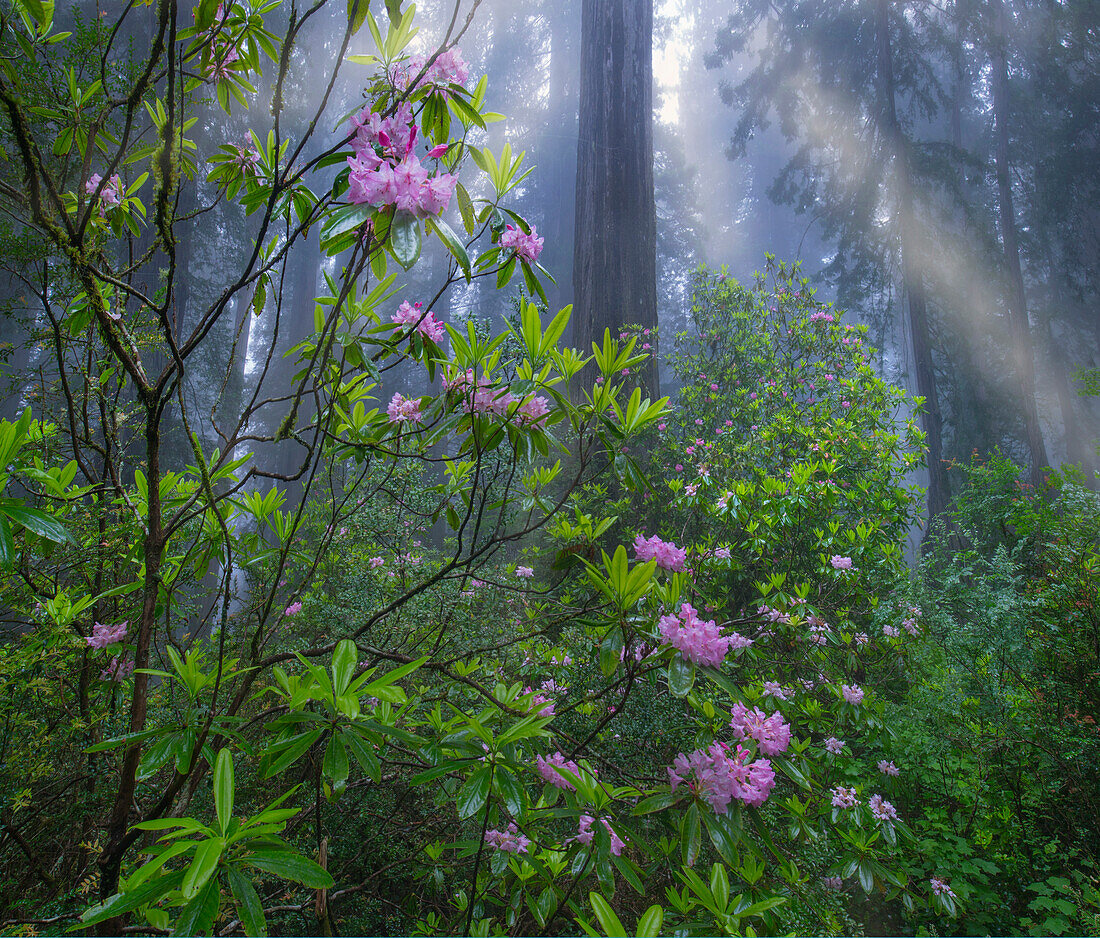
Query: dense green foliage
{"type": "Point", "coordinates": [527, 653]}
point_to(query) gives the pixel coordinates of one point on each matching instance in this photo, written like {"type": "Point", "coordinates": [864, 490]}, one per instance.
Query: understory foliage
{"type": "Point", "coordinates": [523, 654]}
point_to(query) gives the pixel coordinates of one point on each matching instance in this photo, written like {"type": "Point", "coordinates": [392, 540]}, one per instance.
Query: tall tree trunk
{"type": "Point", "coordinates": [912, 275]}
{"type": "Point", "coordinates": [615, 244]}
{"type": "Point", "coordinates": [557, 175]}
{"type": "Point", "coordinates": [1017, 297]}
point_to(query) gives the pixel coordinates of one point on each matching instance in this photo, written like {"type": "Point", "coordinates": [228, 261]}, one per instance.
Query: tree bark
{"type": "Point", "coordinates": [1016, 295]}
{"type": "Point", "coordinates": [615, 244]}
{"type": "Point", "coordinates": [912, 275]}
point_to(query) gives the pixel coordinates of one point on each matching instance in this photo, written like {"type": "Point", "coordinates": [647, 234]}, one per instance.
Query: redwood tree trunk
{"type": "Point", "coordinates": [1017, 297]}
{"type": "Point", "coordinates": [615, 245]}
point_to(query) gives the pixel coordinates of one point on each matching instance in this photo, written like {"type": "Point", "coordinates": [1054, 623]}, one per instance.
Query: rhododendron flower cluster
{"type": "Point", "coordinates": [482, 397]}
{"type": "Point", "coordinates": [540, 705]}
{"type": "Point", "coordinates": [882, 810]}
{"type": "Point", "coordinates": [719, 778]}
{"type": "Point", "coordinates": [776, 690]}
{"type": "Point", "coordinates": [508, 841]}
{"type": "Point", "coordinates": [698, 641]}
{"type": "Point", "coordinates": [834, 745]}
{"type": "Point", "coordinates": [110, 194]}
{"type": "Point", "coordinates": [386, 171]}
{"type": "Point", "coordinates": [525, 572]}
{"type": "Point", "coordinates": [528, 247]}
{"type": "Point", "coordinates": [117, 670]}
{"type": "Point", "coordinates": [887, 768]}
{"type": "Point", "coordinates": [404, 409]}
{"type": "Point", "coordinates": [104, 635]}
{"type": "Point", "coordinates": [426, 323]}
{"type": "Point", "coordinates": [844, 797]}
{"type": "Point", "coordinates": [940, 888]}
{"type": "Point", "coordinates": [545, 768]}
{"type": "Point", "coordinates": [772, 734]}
{"type": "Point", "coordinates": [293, 609]}
{"type": "Point", "coordinates": [852, 693]}
{"type": "Point", "coordinates": [666, 553]}
{"type": "Point", "coordinates": [840, 563]}
{"type": "Point", "coordinates": [585, 833]}
{"type": "Point", "coordinates": [448, 68]}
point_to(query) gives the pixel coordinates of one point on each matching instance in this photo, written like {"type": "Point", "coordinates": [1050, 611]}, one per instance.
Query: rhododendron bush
{"type": "Point", "coordinates": [474, 659]}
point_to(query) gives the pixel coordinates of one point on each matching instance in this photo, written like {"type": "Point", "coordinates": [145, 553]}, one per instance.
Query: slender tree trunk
{"type": "Point", "coordinates": [1017, 296]}
{"type": "Point", "coordinates": [912, 275]}
{"type": "Point", "coordinates": [615, 245]}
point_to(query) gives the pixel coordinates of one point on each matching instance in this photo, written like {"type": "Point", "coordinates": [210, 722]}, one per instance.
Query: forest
{"type": "Point", "coordinates": [591, 467]}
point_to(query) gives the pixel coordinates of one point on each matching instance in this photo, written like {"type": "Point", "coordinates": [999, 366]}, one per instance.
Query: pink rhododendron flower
{"type": "Point", "coordinates": [540, 705]}
{"type": "Point", "coordinates": [882, 810]}
{"type": "Point", "coordinates": [293, 609]}
{"type": "Point", "coordinates": [698, 641]}
{"type": "Point", "coordinates": [852, 693]}
{"type": "Point", "coordinates": [834, 745]}
{"type": "Point", "coordinates": [508, 841]}
{"type": "Point", "coordinates": [666, 553]}
{"type": "Point", "coordinates": [844, 797]}
{"type": "Point", "coordinates": [840, 563]}
{"type": "Point", "coordinates": [426, 323]}
{"type": "Point", "coordinates": [722, 553]}
{"type": "Point", "coordinates": [117, 670]}
{"type": "Point", "coordinates": [772, 734]}
{"type": "Point", "coordinates": [533, 411]}
{"type": "Point", "coordinates": [525, 572]}
{"type": "Point", "coordinates": [528, 247]}
{"type": "Point", "coordinates": [940, 888]}
{"type": "Point", "coordinates": [110, 194]}
{"type": "Point", "coordinates": [718, 778]}
{"type": "Point", "coordinates": [774, 689]}
{"type": "Point", "coordinates": [104, 635]}
{"type": "Point", "coordinates": [545, 768]}
{"type": "Point", "coordinates": [887, 768]}
{"type": "Point", "coordinates": [585, 833]}
{"type": "Point", "coordinates": [376, 562]}
{"type": "Point", "coordinates": [404, 408]}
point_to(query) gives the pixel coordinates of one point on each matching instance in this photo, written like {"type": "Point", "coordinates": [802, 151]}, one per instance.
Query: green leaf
{"type": "Point", "coordinates": [471, 796]}
{"type": "Point", "coordinates": [606, 916]}
{"type": "Point", "coordinates": [223, 788]}
{"type": "Point", "coordinates": [725, 834]}
{"type": "Point", "coordinates": [286, 864]}
{"type": "Point", "coordinates": [344, 660]}
{"type": "Point", "coordinates": [454, 244]}
{"type": "Point", "coordinates": [404, 239]}
{"type": "Point", "coordinates": [202, 867]}
{"type": "Point", "coordinates": [357, 14]}
{"type": "Point", "coordinates": [249, 908]}
{"type": "Point", "coordinates": [7, 544]}
{"type": "Point", "coordinates": [123, 902]}
{"type": "Point", "coordinates": [291, 753]}
{"type": "Point", "coordinates": [364, 754]}
{"type": "Point", "coordinates": [657, 802]}
{"type": "Point", "coordinates": [510, 790]}
{"type": "Point", "coordinates": [681, 676]}
{"type": "Point", "coordinates": [690, 835]}
{"type": "Point", "coordinates": [37, 522]}
{"type": "Point", "coordinates": [197, 917]}
{"type": "Point", "coordinates": [336, 760]}
{"type": "Point", "coordinates": [649, 925]}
